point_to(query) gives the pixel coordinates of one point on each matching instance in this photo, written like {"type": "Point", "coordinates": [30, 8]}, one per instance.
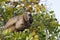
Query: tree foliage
{"type": "Point", "coordinates": [44, 27]}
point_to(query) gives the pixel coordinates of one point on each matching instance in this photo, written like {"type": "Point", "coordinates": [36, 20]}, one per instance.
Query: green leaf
{"type": "Point", "coordinates": [3, 0]}
{"type": "Point", "coordinates": [51, 12]}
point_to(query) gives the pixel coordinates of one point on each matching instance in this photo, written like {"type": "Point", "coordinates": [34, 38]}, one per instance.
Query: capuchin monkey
{"type": "Point", "coordinates": [19, 23]}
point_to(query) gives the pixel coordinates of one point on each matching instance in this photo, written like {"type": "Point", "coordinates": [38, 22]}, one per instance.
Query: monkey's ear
{"type": "Point", "coordinates": [11, 22]}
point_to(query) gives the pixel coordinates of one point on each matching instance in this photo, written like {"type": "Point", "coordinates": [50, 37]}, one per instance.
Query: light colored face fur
{"type": "Point", "coordinates": [26, 16]}
{"type": "Point", "coordinates": [28, 13]}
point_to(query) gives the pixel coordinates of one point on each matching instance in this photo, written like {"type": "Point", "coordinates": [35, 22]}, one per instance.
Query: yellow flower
{"type": "Point", "coordinates": [36, 36]}
{"type": "Point", "coordinates": [33, 33]}
{"type": "Point", "coordinates": [37, 7]}
{"type": "Point", "coordinates": [35, 1]}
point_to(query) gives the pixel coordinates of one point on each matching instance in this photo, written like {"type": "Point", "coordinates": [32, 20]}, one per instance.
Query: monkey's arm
{"type": "Point", "coordinates": [20, 24]}
{"type": "Point", "coordinates": [11, 22]}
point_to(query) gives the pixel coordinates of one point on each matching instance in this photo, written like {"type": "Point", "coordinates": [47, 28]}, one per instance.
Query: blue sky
{"type": "Point", "coordinates": [54, 5]}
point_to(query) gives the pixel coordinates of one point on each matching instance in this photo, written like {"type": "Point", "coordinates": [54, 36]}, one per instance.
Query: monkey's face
{"type": "Point", "coordinates": [30, 18]}
{"type": "Point", "coordinates": [29, 15]}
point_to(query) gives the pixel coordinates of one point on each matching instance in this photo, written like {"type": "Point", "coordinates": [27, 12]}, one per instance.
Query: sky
{"type": "Point", "coordinates": [54, 5]}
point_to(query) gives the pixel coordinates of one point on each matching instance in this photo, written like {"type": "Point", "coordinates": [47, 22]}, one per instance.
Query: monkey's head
{"type": "Point", "coordinates": [30, 18]}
